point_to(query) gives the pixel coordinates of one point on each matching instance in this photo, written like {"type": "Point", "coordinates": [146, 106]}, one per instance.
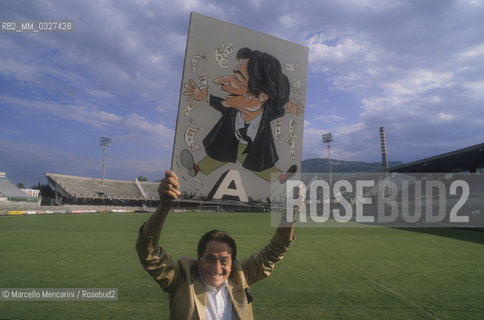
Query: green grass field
{"type": "Point", "coordinates": [329, 273]}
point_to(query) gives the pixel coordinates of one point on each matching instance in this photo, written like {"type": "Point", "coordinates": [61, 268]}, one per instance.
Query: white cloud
{"type": "Point", "coordinates": [418, 82]}
{"type": "Point", "coordinates": [189, 5]}
{"type": "Point", "coordinates": [374, 5]}
{"type": "Point", "coordinates": [86, 114]}
{"type": "Point", "coordinates": [290, 20]}
{"type": "Point", "coordinates": [349, 129]}
{"type": "Point", "coordinates": [161, 108]}
{"type": "Point", "coordinates": [328, 52]}
{"type": "Point", "coordinates": [475, 90]}
{"type": "Point", "coordinates": [100, 93]}
{"type": "Point", "coordinates": [478, 3]}
{"type": "Point", "coordinates": [446, 116]}
{"type": "Point", "coordinates": [155, 131]}
{"type": "Point", "coordinates": [329, 118]}
{"type": "Point", "coordinates": [93, 116]}
{"type": "Point", "coordinates": [10, 131]}
{"type": "Point", "coordinates": [474, 52]}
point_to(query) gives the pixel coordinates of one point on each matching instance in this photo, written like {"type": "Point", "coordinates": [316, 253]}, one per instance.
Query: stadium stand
{"type": "Point", "coordinates": [464, 161]}
{"type": "Point", "coordinates": [9, 190]}
{"type": "Point", "coordinates": [74, 189]}
{"type": "Point", "coordinates": [470, 159]}
{"type": "Point", "coordinates": [11, 195]}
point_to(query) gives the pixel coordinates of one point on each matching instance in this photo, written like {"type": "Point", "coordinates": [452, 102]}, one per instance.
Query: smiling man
{"type": "Point", "coordinates": [216, 284]}
{"type": "Point", "coordinates": [257, 93]}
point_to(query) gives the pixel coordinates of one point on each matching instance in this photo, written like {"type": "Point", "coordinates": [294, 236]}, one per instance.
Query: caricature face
{"type": "Point", "coordinates": [216, 263]}
{"type": "Point", "coordinates": [239, 96]}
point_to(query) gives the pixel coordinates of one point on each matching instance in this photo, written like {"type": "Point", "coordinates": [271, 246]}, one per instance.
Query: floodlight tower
{"type": "Point", "coordinates": [105, 142]}
{"type": "Point", "coordinates": [328, 138]}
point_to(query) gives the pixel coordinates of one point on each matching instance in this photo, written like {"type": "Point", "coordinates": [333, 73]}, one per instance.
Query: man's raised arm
{"type": "Point", "coordinates": [156, 261]}
{"type": "Point", "coordinates": [169, 192]}
{"type": "Point", "coordinates": [286, 229]}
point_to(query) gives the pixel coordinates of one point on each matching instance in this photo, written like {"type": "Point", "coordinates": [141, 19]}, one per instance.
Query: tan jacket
{"type": "Point", "coordinates": [181, 278]}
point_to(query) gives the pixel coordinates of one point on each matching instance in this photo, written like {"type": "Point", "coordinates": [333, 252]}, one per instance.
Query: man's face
{"type": "Point", "coordinates": [237, 86]}
{"type": "Point", "coordinates": [216, 263]}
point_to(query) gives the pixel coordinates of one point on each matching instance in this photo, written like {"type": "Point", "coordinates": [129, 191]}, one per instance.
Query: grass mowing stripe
{"type": "Point", "coordinates": [330, 273]}
{"type": "Point", "coordinates": [380, 283]}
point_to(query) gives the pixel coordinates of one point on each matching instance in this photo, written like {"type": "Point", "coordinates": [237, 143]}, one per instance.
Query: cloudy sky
{"type": "Point", "coordinates": [414, 67]}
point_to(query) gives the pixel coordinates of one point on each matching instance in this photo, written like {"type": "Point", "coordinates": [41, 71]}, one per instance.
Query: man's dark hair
{"type": "Point", "coordinates": [265, 74]}
{"type": "Point", "coordinates": [220, 236]}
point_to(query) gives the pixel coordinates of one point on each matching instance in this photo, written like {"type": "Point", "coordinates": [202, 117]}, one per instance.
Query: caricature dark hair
{"type": "Point", "coordinates": [265, 74]}
{"type": "Point", "coordinates": [217, 235]}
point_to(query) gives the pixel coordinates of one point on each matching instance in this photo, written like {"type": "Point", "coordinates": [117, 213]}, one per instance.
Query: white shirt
{"type": "Point", "coordinates": [253, 125]}
{"type": "Point", "coordinates": [219, 305]}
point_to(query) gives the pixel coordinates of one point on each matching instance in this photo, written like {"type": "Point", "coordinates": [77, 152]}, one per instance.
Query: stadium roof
{"type": "Point", "coordinates": [92, 188]}
{"type": "Point", "coordinates": [9, 190]}
{"type": "Point", "coordinates": [467, 159]}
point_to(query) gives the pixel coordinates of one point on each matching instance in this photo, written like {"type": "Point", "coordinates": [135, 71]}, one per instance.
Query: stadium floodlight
{"type": "Point", "coordinates": [105, 142]}
{"type": "Point", "coordinates": [328, 138]}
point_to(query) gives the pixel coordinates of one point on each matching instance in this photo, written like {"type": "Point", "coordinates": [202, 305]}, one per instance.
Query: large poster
{"type": "Point", "coordinates": [241, 112]}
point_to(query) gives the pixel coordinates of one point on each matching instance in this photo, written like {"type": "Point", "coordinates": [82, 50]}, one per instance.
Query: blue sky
{"type": "Point", "coordinates": [414, 67]}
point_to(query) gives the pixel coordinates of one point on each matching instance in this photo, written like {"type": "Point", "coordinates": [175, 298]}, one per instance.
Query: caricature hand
{"type": "Point", "coordinates": [194, 92]}
{"type": "Point", "coordinates": [294, 108]}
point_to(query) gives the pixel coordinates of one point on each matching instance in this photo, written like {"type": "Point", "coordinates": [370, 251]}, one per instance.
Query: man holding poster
{"type": "Point", "coordinates": [216, 284]}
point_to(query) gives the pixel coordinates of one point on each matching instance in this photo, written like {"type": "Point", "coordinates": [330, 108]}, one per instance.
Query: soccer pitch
{"type": "Point", "coordinates": [329, 273]}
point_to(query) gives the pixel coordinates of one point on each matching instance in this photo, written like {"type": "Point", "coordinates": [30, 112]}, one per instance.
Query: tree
{"type": "Point", "coordinates": [142, 178]}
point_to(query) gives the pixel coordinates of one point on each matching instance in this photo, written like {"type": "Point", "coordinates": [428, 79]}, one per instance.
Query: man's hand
{"type": "Point", "coordinates": [194, 92]}
{"type": "Point", "coordinates": [169, 189]}
{"type": "Point", "coordinates": [294, 107]}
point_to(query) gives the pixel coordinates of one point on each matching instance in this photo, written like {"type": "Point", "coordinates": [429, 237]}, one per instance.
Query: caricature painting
{"type": "Point", "coordinates": [241, 112]}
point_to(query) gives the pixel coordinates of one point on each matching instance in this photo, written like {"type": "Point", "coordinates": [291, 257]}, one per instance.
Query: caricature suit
{"type": "Point", "coordinates": [222, 145]}
{"type": "Point", "coordinates": [181, 278]}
